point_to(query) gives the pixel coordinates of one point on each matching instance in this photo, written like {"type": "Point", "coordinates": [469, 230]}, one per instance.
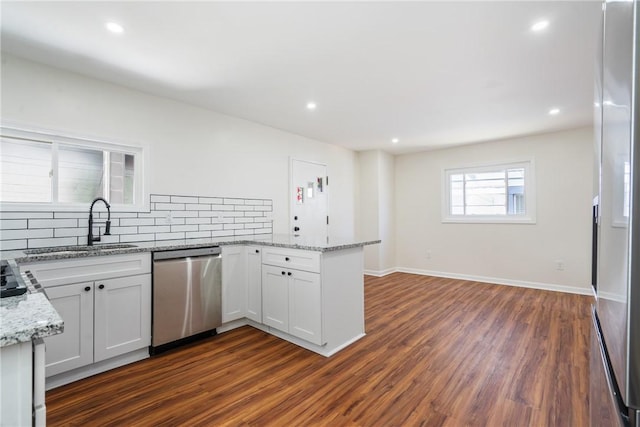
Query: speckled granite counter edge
{"type": "Point", "coordinates": [185, 244]}
{"type": "Point", "coordinates": [28, 317]}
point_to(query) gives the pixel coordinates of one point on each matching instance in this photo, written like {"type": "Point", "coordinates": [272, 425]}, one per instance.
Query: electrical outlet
{"type": "Point", "coordinates": [560, 265]}
{"type": "Point", "coordinates": [428, 255]}
{"type": "Point", "coordinates": [168, 219]}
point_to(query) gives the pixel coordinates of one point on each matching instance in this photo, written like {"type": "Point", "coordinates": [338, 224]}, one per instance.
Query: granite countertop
{"type": "Point", "coordinates": [27, 317]}
{"type": "Point", "coordinates": [31, 316]}
{"type": "Point", "coordinates": [277, 240]}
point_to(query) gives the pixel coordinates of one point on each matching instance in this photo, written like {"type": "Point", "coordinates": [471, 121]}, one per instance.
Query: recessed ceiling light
{"type": "Point", "coordinates": [114, 27]}
{"type": "Point", "coordinates": [554, 111]}
{"type": "Point", "coordinates": [540, 25]}
{"type": "Point", "coordinates": [395, 140]}
{"type": "Point", "coordinates": [311, 106]}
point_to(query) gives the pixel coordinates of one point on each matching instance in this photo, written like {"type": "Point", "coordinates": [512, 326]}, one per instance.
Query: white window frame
{"type": "Point", "coordinates": [529, 217]}
{"type": "Point", "coordinates": [140, 153]}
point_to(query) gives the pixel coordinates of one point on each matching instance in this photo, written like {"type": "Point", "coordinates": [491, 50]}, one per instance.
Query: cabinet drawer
{"type": "Point", "coordinates": [292, 258]}
{"type": "Point", "coordinates": [66, 271]}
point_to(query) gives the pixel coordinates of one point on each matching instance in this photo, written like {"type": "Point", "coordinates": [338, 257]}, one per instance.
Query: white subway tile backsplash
{"type": "Point", "coordinates": [197, 220]}
{"type": "Point", "coordinates": [197, 234]}
{"type": "Point", "coordinates": [243, 220]}
{"type": "Point", "coordinates": [230, 201]}
{"type": "Point", "coordinates": [124, 230]}
{"type": "Point", "coordinates": [9, 245]}
{"type": "Point", "coordinates": [210, 227]}
{"type": "Point", "coordinates": [52, 223]}
{"type": "Point", "coordinates": [174, 221]}
{"type": "Point", "coordinates": [191, 227]}
{"type": "Point", "coordinates": [222, 233]}
{"type": "Point", "coordinates": [198, 207]}
{"type": "Point", "coordinates": [233, 226]}
{"type": "Point", "coordinates": [69, 232]}
{"type": "Point", "coordinates": [156, 198]}
{"type": "Point", "coordinates": [25, 233]}
{"type": "Point", "coordinates": [170, 217]}
{"type": "Point", "coordinates": [169, 206]}
{"type": "Point", "coordinates": [24, 215]}
{"type": "Point", "coordinates": [13, 224]}
{"type": "Point", "coordinates": [104, 215]}
{"type": "Point", "coordinates": [77, 215]}
{"type": "Point", "coordinates": [211, 200]}
{"type": "Point", "coordinates": [61, 241]}
{"type": "Point", "coordinates": [126, 238]}
{"type": "Point", "coordinates": [154, 229]}
{"type": "Point", "coordinates": [169, 236]}
{"type": "Point", "coordinates": [137, 221]}
{"type": "Point", "coordinates": [184, 214]}
{"type": "Point", "coordinates": [183, 199]}
{"type": "Point", "coordinates": [222, 207]}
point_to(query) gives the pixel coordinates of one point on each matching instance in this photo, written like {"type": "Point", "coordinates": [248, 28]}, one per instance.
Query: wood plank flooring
{"type": "Point", "coordinates": [438, 352]}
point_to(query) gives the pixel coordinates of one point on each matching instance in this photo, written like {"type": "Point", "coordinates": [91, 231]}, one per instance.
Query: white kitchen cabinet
{"type": "Point", "coordinates": [305, 306]}
{"type": "Point", "coordinates": [73, 348]}
{"type": "Point", "coordinates": [107, 315]}
{"type": "Point", "coordinates": [102, 319]}
{"type": "Point", "coordinates": [234, 283]}
{"type": "Point", "coordinates": [292, 302]}
{"type": "Point", "coordinates": [275, 297]}
{"type": "Point", "coordinates": [254, 283]}
{"type": "Point", "coordinates": [122, 313]}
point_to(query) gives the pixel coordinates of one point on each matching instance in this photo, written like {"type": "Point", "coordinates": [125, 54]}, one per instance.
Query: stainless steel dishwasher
{"type": "Point", "coordinates": [187, 296]}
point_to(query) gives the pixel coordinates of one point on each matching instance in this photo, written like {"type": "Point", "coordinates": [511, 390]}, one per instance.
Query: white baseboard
{"type": "Point", "coordinates": [493, 280]}
{"type": "Point", "coordinates": [380, 273]}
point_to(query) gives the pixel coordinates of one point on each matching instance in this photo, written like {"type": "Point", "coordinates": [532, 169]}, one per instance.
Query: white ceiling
{"type": "Point", "coordinates": [429, 73]}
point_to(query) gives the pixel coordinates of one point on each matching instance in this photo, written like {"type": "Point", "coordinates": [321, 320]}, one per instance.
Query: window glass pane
{"type": "Point", "coordinates": [128, 178]}
{"type": "Point", "coordinates": [26, 169]}
{"type": "Point", "coordinates": [485, 193]}
{"type": "Point", "coordinates": [456, 194]}
{"type": "Point", "coordinates": [516, 191]}
{"type": "Point", "coordinates": [80, 172]}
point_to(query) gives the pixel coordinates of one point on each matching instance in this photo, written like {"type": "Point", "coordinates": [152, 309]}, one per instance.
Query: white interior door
{"type": "Point", "coordinates": [309, 198]}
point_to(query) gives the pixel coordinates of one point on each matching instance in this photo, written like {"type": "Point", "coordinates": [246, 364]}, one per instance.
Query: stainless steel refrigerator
{"type": "Point", "coordinates": [615, 343]}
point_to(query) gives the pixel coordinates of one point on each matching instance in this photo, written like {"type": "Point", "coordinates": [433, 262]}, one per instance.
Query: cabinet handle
{"type": "Point", "coordinates": [257, 251]}
{"type": "Point", "coordinates": [283, 273]}
{"type": "Point", "coordinates": [286, 258]}
{"type": "Point", "coordinates": [289, 274]}
{"type": "Point", "coordinates": [101, 287]}
{"type": "Point", "coordinates": [87, 288]}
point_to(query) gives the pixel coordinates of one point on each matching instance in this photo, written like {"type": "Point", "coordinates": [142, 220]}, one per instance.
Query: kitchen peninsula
{"type": "Point", "coordinates": [307, 291]}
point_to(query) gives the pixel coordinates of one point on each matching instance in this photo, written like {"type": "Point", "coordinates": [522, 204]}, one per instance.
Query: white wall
{"type": "Point", "coordinates": [502, 253]}
{"type": "Point", "coordinates": [377, 209]}
{"type": "Point", "coordinates": [193, 151]}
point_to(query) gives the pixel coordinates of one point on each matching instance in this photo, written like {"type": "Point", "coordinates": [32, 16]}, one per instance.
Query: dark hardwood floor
{"type": "Point", "coordinates": [438, 352]}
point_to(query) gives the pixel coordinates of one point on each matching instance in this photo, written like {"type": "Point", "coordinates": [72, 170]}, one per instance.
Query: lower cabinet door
{"type": "Point", "coordinates": [305, 306]}
{"type": "Point", "coordinates": [275, 297]}
{"type": "Point", "coordinates": [254, 283]}
{"type": "Point", "coordinates": [122, 315]}
{"type": "Point", "coordinates": [234, 283]}
{"type": "Point", "coordinates": [73, 348]}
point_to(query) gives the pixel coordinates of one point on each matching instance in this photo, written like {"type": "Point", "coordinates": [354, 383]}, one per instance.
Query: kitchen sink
{"type": "Point", "coordinates": [77, 249]}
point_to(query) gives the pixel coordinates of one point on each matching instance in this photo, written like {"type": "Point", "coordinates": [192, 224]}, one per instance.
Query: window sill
{"type": "Point", "coordinates": [488, 220]}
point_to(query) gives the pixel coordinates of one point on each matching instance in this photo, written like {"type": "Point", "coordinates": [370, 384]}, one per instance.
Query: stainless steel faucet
{"type": "Point", "coordinates": [107, 224]}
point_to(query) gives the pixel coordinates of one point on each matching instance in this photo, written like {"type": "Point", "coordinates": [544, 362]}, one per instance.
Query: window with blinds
{"type": "Point", "coordinates": [39, 170]}
{"type": "Point", "coordinates": [494, 193]}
